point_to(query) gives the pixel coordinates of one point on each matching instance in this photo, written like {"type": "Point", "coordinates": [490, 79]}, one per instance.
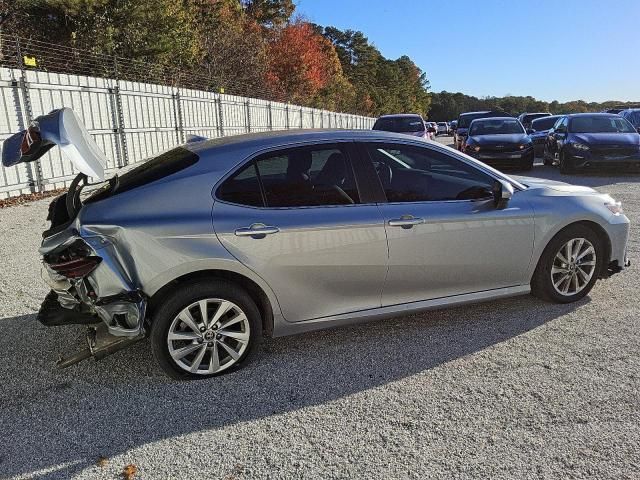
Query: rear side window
{"type": "Point", "coordinates": [162, 166]}
{"type": "Point", "coordinates": [299, 177]}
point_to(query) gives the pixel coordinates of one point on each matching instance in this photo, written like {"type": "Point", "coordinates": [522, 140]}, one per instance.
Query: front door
{"type": "Point", "coordinates": [295, 218]}
{"type": "Point", "coordinates": [445, 235]}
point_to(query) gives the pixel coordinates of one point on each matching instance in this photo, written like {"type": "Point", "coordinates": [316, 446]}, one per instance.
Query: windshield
{"type": "Point", "coordinates": [604, 124]}
{"type": "Point", "coordinates": [544, 123]}
{"type": "Point", "coordinates": [465, 120]}
{"type": "Point", "coordinates": [633, 117]}
{"type": "Point", "coordinates": [399, 124]}
{"type": "Point", "coordinates": [529, 117]}
{"type": "Point", "coordinates": [495, 127]}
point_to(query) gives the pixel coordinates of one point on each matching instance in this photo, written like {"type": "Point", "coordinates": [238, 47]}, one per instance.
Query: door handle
{"type": "Point", "coordinates": [257, 230]}
{"type": "Point", "coordinates": [405, 221]}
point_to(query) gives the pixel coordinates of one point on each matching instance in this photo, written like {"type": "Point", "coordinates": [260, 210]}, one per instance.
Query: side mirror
{"type": "Point", "coordinates": [502, 193]}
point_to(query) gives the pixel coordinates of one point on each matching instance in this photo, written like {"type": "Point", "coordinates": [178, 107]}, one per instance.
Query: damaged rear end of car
{"type": "Point", "coordinates": [92, 280]}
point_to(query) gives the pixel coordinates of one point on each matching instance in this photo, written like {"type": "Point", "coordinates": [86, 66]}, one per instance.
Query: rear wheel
{"type": "Point", "coordinates": [205, 329]}
{"type": "Point", "coordinates": [569, 266]}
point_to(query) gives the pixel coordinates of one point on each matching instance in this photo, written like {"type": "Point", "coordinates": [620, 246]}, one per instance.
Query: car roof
{"type": "Point", "coordinates": [474, 113]}
{"type": "Point", "coordinates": [261, 140]}
{"type": "Point", "coordinates": [400, 115]}
{"type": "Point", "coordinates": [591, 114]}
{"type": "Point", "coordinates": [493, 118]}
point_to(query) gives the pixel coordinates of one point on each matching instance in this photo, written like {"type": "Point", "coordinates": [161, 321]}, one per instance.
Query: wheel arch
{"type": "Point", "coordinates": [602, 234]}
{"type": "Point", "coordinates": [257, 294]}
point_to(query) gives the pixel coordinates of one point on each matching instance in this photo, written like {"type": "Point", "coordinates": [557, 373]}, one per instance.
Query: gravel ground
{"type": "Point", "coordinates": [516, 388]}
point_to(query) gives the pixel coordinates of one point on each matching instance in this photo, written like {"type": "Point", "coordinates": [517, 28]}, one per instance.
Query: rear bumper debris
{"type": "Point", "coordinates": [100, 343]}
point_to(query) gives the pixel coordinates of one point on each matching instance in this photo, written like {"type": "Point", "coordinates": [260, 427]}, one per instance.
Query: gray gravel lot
{"type": "Point", "coordinates": [516, 388]}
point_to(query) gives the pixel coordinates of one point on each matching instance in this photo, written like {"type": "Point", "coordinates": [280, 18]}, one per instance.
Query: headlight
{"type": "Point", "coordinates": [580, 146]}
{"type": "Point", "coordinates": [614, 207]}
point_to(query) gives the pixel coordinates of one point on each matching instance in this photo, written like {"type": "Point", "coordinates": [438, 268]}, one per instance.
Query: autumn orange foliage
{"type": "Point", "coordinates": [301, 63]}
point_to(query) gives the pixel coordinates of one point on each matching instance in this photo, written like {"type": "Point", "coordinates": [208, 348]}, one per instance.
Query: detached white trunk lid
{"type": "Point", "coordinates": [59, 127]}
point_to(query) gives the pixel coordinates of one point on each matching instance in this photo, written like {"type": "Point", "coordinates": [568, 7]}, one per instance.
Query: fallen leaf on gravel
{"type": "Point", "coordinates": [102, 461]}
{"type": "Point", "coordinates": [129, 471]}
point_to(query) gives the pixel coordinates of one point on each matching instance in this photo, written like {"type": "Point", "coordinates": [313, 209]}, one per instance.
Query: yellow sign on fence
{"type": "Point", "coordinates": [29, 61]}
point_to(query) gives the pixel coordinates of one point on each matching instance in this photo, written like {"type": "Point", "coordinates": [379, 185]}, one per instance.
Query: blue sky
{"type": "Point", "coordinates": [553, 50]}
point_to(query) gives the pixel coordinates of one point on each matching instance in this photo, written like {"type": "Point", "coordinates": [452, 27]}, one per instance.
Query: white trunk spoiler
{"type": "Point", "coordinates": [59, 127]}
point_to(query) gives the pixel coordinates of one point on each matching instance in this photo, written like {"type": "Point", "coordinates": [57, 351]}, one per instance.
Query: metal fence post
{"type": "Point", "coordinates": [220, 117]}
{"type": "Point", "coordinates": [247, 107]}
{"type": "Point", "coordinates": [177, 112]}
{"type": "Point", "coordinates": [270, 115]}
{"type": "Point", "coordinates": [286, 111]}
{"type": "Point", "coordinates": [301, 117]}
{"type": "Point", "coordinates": [313, 118]}
{"type": "Point", "coordinates": [123, 157]}
{"type": "Point", "coordinates": [34, 169]}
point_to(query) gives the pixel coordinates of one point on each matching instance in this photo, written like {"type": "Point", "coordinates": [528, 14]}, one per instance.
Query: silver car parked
{"type": "Point", "coordinates": [213, 244]}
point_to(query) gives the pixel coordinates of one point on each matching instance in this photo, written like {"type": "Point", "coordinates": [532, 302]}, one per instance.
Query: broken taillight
{"type": "Point", "coordinates": [76, 268]}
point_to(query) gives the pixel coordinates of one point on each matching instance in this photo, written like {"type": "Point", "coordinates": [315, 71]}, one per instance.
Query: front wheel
{"type": "Point", "coordinates": [569, 265]}
{"type": "Point", "coordinates": [566, 165]}
{"type": "Point", "coordinates": [204, 329]}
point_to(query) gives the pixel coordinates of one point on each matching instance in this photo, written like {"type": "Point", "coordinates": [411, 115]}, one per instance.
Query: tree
{"type": "Point", "coordinates": [269, 13]}
{"type": "Point", "coordinates": [301, 64]}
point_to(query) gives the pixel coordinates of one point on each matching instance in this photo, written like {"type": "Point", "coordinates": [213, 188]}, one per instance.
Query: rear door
{"type": "Point", "coordinates": [445, 235]}
{"type": "Point", "coordinates": [298, 219]}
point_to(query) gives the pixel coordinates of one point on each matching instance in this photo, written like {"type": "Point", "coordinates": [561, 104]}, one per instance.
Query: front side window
{"type": "Point", "coordinates": [411, 173]}
{"type": "Point", "coordinates": [299, 177]}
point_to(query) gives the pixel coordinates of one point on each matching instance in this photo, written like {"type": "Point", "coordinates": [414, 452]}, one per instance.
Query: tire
{"type": "Point", "coordinates": [242, 337]}
{"type": "Point", "coordinates": [542, 282]}
{"type": "Point", "coordinates": [527, 165]}
{"type": "Point", "coordinates": [565, 166]}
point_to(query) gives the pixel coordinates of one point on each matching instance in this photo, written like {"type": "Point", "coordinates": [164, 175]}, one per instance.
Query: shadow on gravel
{"type": "Point", "coordinates": [57, 423]}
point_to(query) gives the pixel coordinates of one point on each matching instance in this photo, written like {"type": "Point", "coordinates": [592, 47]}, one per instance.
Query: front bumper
{"type": "Point", "coordinates": [589, 161]}
{"type": "Point", "coordinates": [505, 159]}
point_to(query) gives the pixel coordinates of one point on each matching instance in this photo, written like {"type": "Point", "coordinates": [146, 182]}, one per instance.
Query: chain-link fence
{"type": "Point", "coordinates": [130, 114]}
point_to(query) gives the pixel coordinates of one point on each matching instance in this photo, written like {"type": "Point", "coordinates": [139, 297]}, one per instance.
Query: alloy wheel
{"type": "Point", "coordinates": [573, 266]}
{"type": "Point", "coordinates": [208, 336]}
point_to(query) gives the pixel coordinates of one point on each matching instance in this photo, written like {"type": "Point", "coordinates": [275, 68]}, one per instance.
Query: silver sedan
{"type": "Point", "coordinates": [212, 245]}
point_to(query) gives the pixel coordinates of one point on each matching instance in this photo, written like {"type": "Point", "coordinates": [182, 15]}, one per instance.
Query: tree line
{"type": "Point", "coordinates": [447, 106]}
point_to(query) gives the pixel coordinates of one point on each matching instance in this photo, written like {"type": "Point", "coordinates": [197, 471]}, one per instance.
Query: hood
{"type": "Point", "coordinates": [59, 127]}
{"type": "Point", "coordinates": [501, 139]}
{"type": "Point", "coordinates": [534, 182]}
{"type": "Point", "coordinates": [608, 138]}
